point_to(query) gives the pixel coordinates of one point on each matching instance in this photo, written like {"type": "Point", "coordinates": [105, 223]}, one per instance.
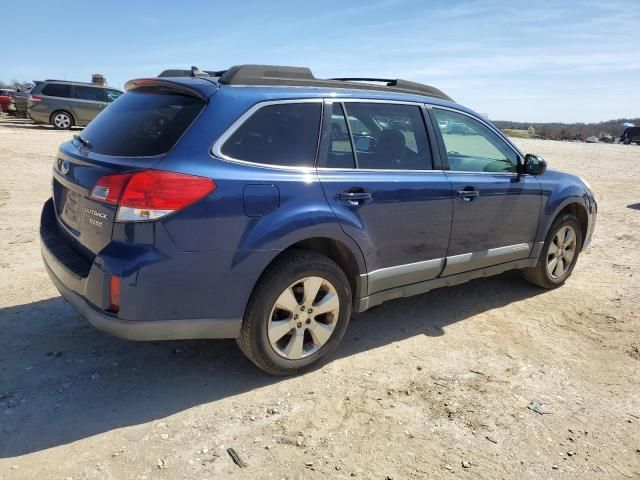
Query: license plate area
{"type": "Point", "coordinates": [69, 208]}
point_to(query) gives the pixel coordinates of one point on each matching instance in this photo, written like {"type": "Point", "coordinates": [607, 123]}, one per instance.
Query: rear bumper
{"type": "Point", "coordinates": [38, 116]}
{"type": "Point", "coordinates": [83, 285]}
{"type": "Point", "coordinates": [147, 330]}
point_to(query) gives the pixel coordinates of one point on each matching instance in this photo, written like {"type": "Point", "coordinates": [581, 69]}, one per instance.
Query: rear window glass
{"type": "Point", "coordinates": [284, 134]}
{"type": "Point", "coordinates": [142, 123]}
{"type": "Point", "coordinates": [57, 90]}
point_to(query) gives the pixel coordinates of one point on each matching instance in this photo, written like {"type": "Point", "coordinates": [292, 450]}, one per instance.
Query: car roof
{"type": "Point", "coordinates": [276, 75]}
{"type": "Point", "coordinates": [206, 87]}
{"type": "Point", "coordinates": [265, 82]}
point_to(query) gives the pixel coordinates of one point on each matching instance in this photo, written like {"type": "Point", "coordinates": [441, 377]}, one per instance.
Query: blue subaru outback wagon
{"type": "Point", "coordinates": [263, 204]}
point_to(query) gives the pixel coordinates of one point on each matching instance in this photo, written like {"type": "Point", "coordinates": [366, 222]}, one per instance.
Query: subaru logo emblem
{"type": "Point", "coordinates": [64, 167]}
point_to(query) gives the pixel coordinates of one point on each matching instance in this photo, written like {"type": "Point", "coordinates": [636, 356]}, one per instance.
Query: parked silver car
{"type": "Point", "coordinates": [66, 104]}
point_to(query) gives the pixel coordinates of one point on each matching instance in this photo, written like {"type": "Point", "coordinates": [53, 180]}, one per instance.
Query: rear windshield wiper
{"type": "Point", "coordinates": [82, 140]}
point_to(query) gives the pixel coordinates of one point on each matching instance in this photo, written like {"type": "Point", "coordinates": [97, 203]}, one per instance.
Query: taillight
{"type": "Point", "coordinates": [34, 98]}
{"type": "Point", "coordinates": [109, 188]}
{"type": "Point", "coordinates": [150, 194]}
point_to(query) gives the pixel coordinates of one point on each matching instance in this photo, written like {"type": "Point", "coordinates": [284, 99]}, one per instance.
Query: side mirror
{"type": "Point", "coordinates": [534, 164]}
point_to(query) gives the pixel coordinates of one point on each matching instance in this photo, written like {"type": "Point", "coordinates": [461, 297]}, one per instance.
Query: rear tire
{"type": "Point", "coordinates": [62, 120]}
{"type": "Point", "coordinates": [559, 254]}
{"type": "Point", "coordinates": [280, 332]}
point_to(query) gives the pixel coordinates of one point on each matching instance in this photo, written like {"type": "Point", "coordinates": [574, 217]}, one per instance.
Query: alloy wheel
{"type": "Point", "coordinates": [62, 120]}
{"type": "Point", "coordinates": [561, 252]}
{"type": "Point", "coordinates": [303, 318]}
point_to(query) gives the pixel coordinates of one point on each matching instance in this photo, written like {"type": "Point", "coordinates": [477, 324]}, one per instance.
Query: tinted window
{"type": "Point", "coordinates": [472, 146]}
{"type": "Point", "coordinates": [113, 94]}
{"type": "Point", "coordinates": [89, 93]}
{"type": "Point", "coordinates": [57, 90]}
{"type": "Point", "coordinates": [283, 134]}
{"type": "Point", "coordinates": [142, 123]}
{"type": "Point", "coordinates": [388, 136]}
{"type": "Point", "coordinates": [340, 154]}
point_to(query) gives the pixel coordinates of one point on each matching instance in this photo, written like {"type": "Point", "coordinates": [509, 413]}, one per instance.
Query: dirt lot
{"type": "Point", "coordinates": [434, 386]}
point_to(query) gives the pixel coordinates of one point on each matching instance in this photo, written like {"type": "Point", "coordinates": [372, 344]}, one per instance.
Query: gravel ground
{"type": "Point", "coordinates": [491, 379]}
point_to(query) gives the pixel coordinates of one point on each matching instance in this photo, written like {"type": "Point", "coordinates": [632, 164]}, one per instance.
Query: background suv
{"type": "Point", "coordinates": [66, 104]}
{"type": "Point", "coordinates": [263, 204]}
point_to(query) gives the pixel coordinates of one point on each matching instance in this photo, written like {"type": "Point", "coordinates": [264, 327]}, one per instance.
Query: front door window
{"type": "Point", "coordinates": [472, 146]}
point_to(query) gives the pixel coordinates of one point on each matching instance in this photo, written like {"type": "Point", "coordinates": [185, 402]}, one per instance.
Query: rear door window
{"type": "Point", "coordinates": [283, 134]}
{"type": "Point", "coordinates": [57, 90]}
{"type": "Point", "coordinates": [90, 93]}
{"type": "Point", "coordinates": [383, 137]}
{"type": "Point", "coordinates": [144, 122]}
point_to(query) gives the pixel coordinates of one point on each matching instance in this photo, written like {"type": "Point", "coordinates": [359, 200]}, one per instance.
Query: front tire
{"type": "Point", "coordinates": [559, 254]}
{"type": "Point", "coordinates": [61, 120]}
{"type": "Point", "coordinates": [297, 314]}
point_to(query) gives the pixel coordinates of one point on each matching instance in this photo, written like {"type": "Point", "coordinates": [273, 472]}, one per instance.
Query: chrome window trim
{"type": "Point", "coordinates": [372, 100]}
{"type": "Point", "coordinates": [384, 170]}
{"type": "Point", "coordinates": [216, 149]}
{"type": "Point", "coordinates": [86, 100]}
{"type": "Point", "coordinates": [469, 172]}
{"type": "Point", "coordinates": [486, 124]}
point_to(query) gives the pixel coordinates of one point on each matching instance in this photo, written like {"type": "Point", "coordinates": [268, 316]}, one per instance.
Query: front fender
{"type": "Point", "coordinates": [558, 191]}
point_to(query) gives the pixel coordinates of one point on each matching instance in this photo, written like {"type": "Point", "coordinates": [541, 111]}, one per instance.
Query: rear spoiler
{"type": "Point", "coordinates": [163, 83]}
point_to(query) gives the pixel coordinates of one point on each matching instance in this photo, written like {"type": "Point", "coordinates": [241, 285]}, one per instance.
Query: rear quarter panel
{"type": "Point", "coordinates": [235, 248]}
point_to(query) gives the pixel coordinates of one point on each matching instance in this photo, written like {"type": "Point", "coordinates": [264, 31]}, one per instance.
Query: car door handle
{"type": "Point", "coordinates": [468, 194]}
{"type": "Point", "coordinates": [354, 196]}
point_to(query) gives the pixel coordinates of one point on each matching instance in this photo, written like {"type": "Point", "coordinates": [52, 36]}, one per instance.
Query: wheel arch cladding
{"type": "Point", "coordinates": [350, 261]}
{"type": "Point", "coordinates": [579, 211]}
{"type": "Point", "coordinates": [561, 197]}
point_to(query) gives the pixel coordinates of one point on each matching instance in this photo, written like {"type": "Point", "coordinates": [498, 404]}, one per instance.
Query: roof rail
{"type": "Point", "coordinates": [363, 79]}
{"type": "Point", "coordinates": [276, 75]}
{"type": "Point", "coordinates": [397, 84]}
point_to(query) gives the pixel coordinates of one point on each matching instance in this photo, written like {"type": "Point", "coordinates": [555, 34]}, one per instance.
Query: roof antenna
{"type": "Point", "coordinates": [196, 72]}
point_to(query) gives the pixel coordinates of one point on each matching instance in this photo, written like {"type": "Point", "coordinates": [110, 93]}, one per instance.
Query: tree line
{"type": "Point", "coordinates": [570, 131]}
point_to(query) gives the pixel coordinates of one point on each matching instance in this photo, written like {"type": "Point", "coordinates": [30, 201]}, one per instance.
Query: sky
{"type": "Point", "coordinates": [532, 61]}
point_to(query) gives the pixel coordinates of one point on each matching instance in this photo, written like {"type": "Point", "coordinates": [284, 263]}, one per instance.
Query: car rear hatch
{"type": "Point", "coordinates": [134, 133]}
